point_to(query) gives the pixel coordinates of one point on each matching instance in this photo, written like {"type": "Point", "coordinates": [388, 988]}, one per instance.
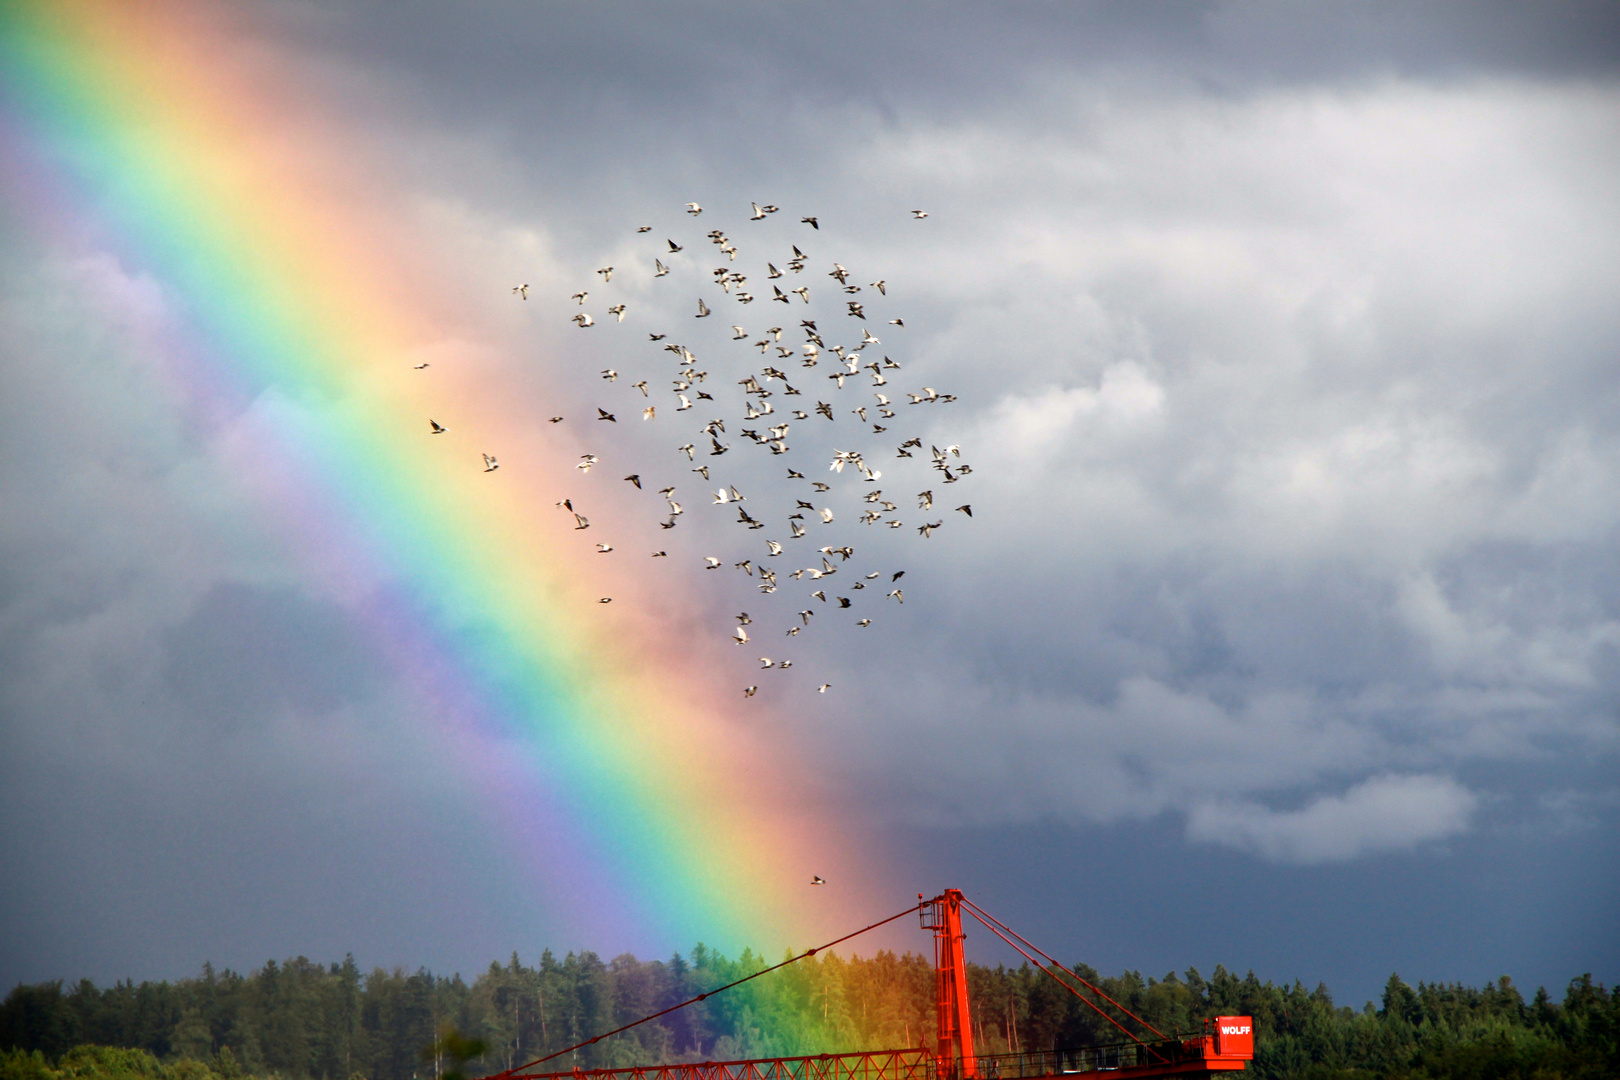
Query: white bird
{"type": "Point", "coordinates": [436, 428]}
{"type": "Point", "coordinates": [826, 515]}
{"type": "Point", "coordinates": [712, 562]}
{"type": "Point", "coordinates": [703, 309]}
{"type": "Point", "coordinates": [581, 521]}
{"type": "Point", "coordinates": [740, 334]}
{"type": "Point", "coordinates": [522, 290]}
{"type": "Point", "coordinates": [583, 320]}
{"type": "Point", "coordinates": [766, 662]}
{"type": "Point", "coordinates": [419, 367]}
{"type": "Point", "coordinates": [603, 549]}
{"type": "Point", "coordinates": [863, 622]}
{"type": "Point", "coordinates": [580, 296]}
{"type": "Point", "coordinates": [866, 337]}
{"type": "Point", "coordinates": [694, 209]}
{"type": "Point", "coordinates": [899, 596]}
{"type": "Point", "coordinates": [586, 461]}
{"type": "Point", "coordinates": [611, 376]}
{"type": "Point", "coordinates": [776, 548]}
{"type": "Point", "coordinates": [822, 689]}
{"type": "Point", "coordinates": [817, 879]}
{"type": "Point", "coordinates": [605, 600]}
{"type": "Point", "coordinates": [617, 309]}
{"type": "Point", "coordinates": [919, 214]}
{"type": "Point", "coordinates": [490, 464]}
{"type": "Point", "coordinates": [607, 274]}
{"type": "Point", "coordinates": [659, 269]}
{"type": "Point", "coordinates": [749, 691]}
{"type": "Point", "coordinates": [741, 635]}
{"type": "Point", "coordinates": [649, 412]}
{"type": "Point", "coordinates": [758, 213]}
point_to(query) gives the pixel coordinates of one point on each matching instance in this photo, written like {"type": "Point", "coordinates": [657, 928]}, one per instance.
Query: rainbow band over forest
{"type": "Point", "coordinates": [296, 302]}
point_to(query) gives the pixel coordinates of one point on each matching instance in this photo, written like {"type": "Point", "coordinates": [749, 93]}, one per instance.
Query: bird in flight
{"type": "Point", "coordinates": [750, 691]}
{"type": "Point", "coordinates": [521, 290]}
{"type": "Point", "coordinates": [436, 428]}
{"type": "Point", "coordinates": [635, 478]}
{"type": "Point", "coordinates": [824, 687]}
{"type": "Point", "coordinates": [419, 367]}
{"type": "Point", "coordinates": [556, 419]}
{"type": "Point", "coordinates": [618, 311]}
{"type": "Point", "coordinates": [603, 414]}
{"type": "Point", "coordinates": [966, 509]}
{"type": "Point", "coordinates": [490, 464]}
{"type": "Point", "coordinates": [607, 274]}
{"type": "Point", "coordinates": [694, 209]}
{"type": "Point", "coordinates": [812, 222]}
{"type": "Point", "coordinates": [605, 600]}
{"type": "Point", "coordinates": [674, 247]}
{"type": "Point", "coordinates": [584, 320]}
{"type": "Point", "coordinates": [703, 309]}
{"type": "Point", "coordinates": [603, 549]}
{"type": "Point", "coordinates": [644, 228]}
{"type": "Point", "coordinates": [919, 214]}
{"type": "Point", "coordinates": [817, 879]}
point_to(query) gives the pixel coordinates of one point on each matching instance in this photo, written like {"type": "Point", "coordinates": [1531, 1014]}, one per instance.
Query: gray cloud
{"type": "Point", "coordinates": [1284, 345]}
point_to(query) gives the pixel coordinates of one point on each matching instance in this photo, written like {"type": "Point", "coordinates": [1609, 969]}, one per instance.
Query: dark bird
{"type": "Point", "coordinates": [966, 509]}
{"type": "Point", "coordinates": [898, 574]}
{"type": "Point", "coordinates": [816, 879]}
{"type": "Point", "coordinates": [810, 221]}
{"type": "Point", "coordinates": [603, 414]}
{"type": "Point", "coordinates": [436, 428]}
{"type": "Point", "coordinates": [556, 419]}
{"type": "Point", "coordinates": [635, 478]}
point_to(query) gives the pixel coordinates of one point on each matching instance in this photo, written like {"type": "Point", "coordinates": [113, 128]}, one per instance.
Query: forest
{"type": "Point", "coordinates": [301, 1020]}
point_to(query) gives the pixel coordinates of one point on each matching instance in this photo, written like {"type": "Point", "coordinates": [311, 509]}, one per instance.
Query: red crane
{"type": "Point", "coordinates": [1226, 1043]}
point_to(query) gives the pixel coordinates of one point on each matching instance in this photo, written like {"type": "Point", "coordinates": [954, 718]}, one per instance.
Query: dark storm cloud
{"type": "Point", "coordinates": [1284, 340]}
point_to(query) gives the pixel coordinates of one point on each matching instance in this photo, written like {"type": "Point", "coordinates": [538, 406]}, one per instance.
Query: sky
{"type": "Point", "coordinates": [1284, 633]}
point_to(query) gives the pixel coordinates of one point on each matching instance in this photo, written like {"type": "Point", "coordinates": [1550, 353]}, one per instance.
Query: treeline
{"type": "Point", "coordinates": [306, 1021]}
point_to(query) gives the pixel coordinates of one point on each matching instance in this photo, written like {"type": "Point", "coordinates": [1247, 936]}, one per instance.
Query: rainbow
{"type": "Point", "coordinates": [296, 308]}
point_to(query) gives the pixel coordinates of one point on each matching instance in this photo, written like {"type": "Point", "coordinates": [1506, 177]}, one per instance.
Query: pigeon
{"type": "Point", "coordinates": [603, 414]}
{"type": "Point", "coordinates": [824, 687]}
{"type": "Point", "coordinates": [635, 478]}
{"type": "Point", "coordinates": [605, 600]}
{"type": "Point", "coordinates": [919, 214]}
{"type": "Point", "coordinates": [966, 509]}
{"type": "Point", "coordinates": [583, 319]}
{"type": "Point", "coordinates": [644, 228]}
{"type": "Point", "coordinates": [703, 309]}
{"type": "Point", "coordinates": [694, 209]}
{"type": "Point", "coordinates": [581, 521]}
{"type": "Point", "coordinates": [419, 367]}
{"type": "Point", "coordinates": [522, 290]}
{"type": "Point", "coordinates": [436, 428]}
{"type": "Point", "coordinates": [740, 635]}
{"type": "Point", "coordinates": [810, 221]}
{"type": "Point", "coordinates": [712, 562]}
{"type": "Point", "coordinates": [607, 274]}
{"type": "Point", "coordinates": [603, 549]}
{"type": "Point", "coordinates": [749, 691]}
{"type": "Point", "coordinates": [490, 464]}
{"type": "Point", "coordinates": [586, 461]}
{"type": "Point", "coordinates": [659, 270]}
{"type": "Point", "coordinates": [817, 879]}
{"type": "Point", "coordinates": [617, 309]}
{"type": "Point", "coordinates": [863, 622]}
{"type": "Point", "coordinates": [674, 247]}
{"type": "Point", "coordinates": [556, 419]}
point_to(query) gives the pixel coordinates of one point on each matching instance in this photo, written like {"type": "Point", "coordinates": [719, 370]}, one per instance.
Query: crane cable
{"type": "Point", "coordinates": [996, 927]}
{"type": "Point", "coordinates": [1094, 989]}
{"type": "Point", "coordinates": [510, 1073]}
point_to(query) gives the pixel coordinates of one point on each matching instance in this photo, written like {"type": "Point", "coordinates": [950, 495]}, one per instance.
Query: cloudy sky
{"type": "Point", "coordinates": [1285, 633]}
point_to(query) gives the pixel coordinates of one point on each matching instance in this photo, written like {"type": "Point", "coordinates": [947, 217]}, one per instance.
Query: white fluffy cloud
{"type": "Point", "coordinates": [1383, 813]}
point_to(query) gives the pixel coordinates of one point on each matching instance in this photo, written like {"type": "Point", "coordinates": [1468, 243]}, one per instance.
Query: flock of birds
{"type": "Point", "coordinates": [823, 340]}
